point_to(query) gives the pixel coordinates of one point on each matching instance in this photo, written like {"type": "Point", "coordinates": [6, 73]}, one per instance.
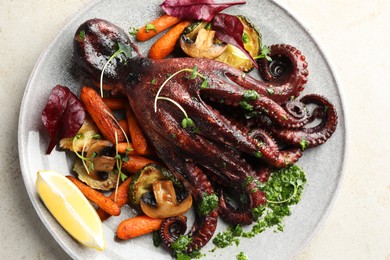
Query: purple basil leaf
{"type": "Point", "coordinates": [229, 29]}
{"type": "Point", "coordinates": [195, 9]}
{"type": "Point", "coordinates": [63, 115]}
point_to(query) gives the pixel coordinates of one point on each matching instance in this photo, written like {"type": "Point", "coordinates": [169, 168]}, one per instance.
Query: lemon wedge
{"type": "Point", "coordinates": [71, 208]}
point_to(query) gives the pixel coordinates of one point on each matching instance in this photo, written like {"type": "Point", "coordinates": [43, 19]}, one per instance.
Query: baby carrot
{"type": "Point", "coordinates": [137, 226]}
{"type": "Point", "coordinates": [166, 44]}
{"type": "Point", "coordinates": [101, 114]}
{"type": "Point", "coordinates": [107, 204]}
{"type": "Point", "coordinates": [137, 137]}
{"type": "Point", "coordinates": [125, 126]}
{"type": "Point", "coordinates": [122, 147]}
{"type": "Point", "coordinates": [135, 163]}
{"type": "Point", "coordinates": [121, 198]}
{"type": "Point", "coordinates": [155, 27]}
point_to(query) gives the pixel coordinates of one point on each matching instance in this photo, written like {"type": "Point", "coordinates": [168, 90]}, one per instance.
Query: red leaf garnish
{"type": "Point", "coordinates": [229, 29]}
{"type": "Point", "coordinates": [195, 9]}
{"type": "Point", "coordinates": [63, 115]}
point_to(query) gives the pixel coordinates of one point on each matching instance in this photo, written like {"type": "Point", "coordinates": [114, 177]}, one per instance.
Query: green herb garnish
{"type": "Point", "coordinates": [304, 144]}
{"type": "Point", "coordinates": [186, 122]}
{"type": "Point", "coordinates": [265, 51]}
{"type": "Point", "coordinates": [242, 256]}
{"type": "Point", "coordinates": [245, 37]}
{"type": "Point", "coordinates": [208, 204]}
{"type": "Point", "coordinates": [133, 31]}
{"type": "Point", "coordinates": [82, 35]}
{"type": "Point", "coordinates": [283, 189]}
{"type": "Point", "coordinates": [149, 27]}
{"type": "Point", "coordinates": [122, 48]}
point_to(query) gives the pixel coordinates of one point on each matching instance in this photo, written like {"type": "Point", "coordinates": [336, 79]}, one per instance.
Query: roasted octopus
{"type": "Point", "coordinates": [243, 128]}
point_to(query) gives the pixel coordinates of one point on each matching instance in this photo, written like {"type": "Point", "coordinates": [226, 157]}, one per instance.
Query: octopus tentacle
{"type": "Point", "coordinates": [285, 75]}
{"type": "Point", "coordinates": [288, 70]}
{"type": "Point", "coordinates": [231, 215]}
{"type": "Point", "coordinates": [316, 135]}
{"type": "Point", "coordinates": [171, 228]}
{"type": "Point", "coordinates": [235, 95]}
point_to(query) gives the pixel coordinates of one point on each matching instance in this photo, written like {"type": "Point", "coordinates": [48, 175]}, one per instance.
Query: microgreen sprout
{"type": "Point", "coordinates": [122, 48]}
{"type": "Point", "coordinates": [133, 31]}
{"type": "Point", "coordinates": [120, 159]}
{"type": "Point", "coordinates": [265, 51]}
{"type": "Point", "coordinates": [84, 160]}
{"type": "Point", "coordinates": [149, 27]}
{"type": "Point", "coordinates": [186, 122]}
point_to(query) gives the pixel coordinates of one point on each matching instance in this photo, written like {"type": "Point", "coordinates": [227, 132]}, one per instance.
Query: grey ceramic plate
{"type": "Point", "coordinates": [323, 165]}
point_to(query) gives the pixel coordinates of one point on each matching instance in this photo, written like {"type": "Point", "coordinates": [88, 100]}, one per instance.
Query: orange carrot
{"type": "Point", "coordinates": [115, 103]}
{"type": "Point", "coordinates": [165, 45]}
{"type": "Point", "coordinates": [155, 27]}
{"type": "Point", "coordinates": [125, 126]}
{"type": "Point", "coordinates": [137, 226]}
{"type": "Point", "coordinates": [99, 112]}
{"type": "Point", "coordinates": [122, 147]}
{"type": "Point", "coordinates": [121, 198]}
{"type": "Point", "coordinates": [136, 163]}
{"type": "Point", "coordinates": [107, 204]}
{"type": "Point", "coordinates": [137, 137]}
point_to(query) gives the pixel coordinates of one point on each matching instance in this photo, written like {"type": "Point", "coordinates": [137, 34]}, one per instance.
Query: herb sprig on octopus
{"type": "Point", "coordinates": [219, 131]}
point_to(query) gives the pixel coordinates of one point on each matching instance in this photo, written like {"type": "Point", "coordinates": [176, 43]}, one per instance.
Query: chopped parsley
{"type": "Point", "coordinates": [304, 144]}
{"type": "Point", "coordinates": [241, 256]}
{"type": "Point", "coordinates": [283, 189]}
{"type": "Point", "coordinates": [208, 204]}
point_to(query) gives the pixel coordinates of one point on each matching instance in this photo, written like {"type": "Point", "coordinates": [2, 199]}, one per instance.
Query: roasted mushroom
{"type": "Point", "coordinates": [97, 170]}
{"type": "Point", "coordinates": [165, 203]}
{"type": "Point", "coordinates": [204, 46]}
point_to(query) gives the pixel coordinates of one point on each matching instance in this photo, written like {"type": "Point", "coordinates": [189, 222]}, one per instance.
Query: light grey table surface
{"type": "Point", "coordinates": [356, 37]}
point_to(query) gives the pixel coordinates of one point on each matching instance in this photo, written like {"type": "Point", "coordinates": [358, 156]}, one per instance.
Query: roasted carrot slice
{"type": "Point", "coordinates": [121, 198]}
{"type": "Point", "coordinates": [101, 114]}
{"type": "Point", "coordinates": [123, 147]}
{"type": "Point", "coordinates": [135, 163]}
{"type": "Point", "coordinates": [125, 126]}
{"type": "Point", "coordinates": [137, 137]}
{"type": "Point", "coordinates": [137, 226]}
{"type": "Point", "coordinates": [155, 27]}
{"type": "Point", "coordinates": [107, 204]}
{"type": "Point", "coordinates": [166, 44]}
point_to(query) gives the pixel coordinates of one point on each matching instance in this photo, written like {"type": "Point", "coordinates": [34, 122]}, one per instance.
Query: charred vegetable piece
{"type": "Point", "coordinates": [202, 45]}
{"type": "Point", "coordinates": [100, 158]}
{"type": "Point", "coordinates": [252, 43]}
{"type": "Point", "coordinates": [143, 181]}
{"type": "Point", "coordinates": [87, 132]}
{"type": "Point", "coordinates": [166, 204]}
{"type": "Point", "coordinates": [109, 182]}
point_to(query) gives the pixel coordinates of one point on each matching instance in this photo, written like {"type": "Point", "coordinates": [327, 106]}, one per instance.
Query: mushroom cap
{"type": "Point", "coordinates": [204, 45]}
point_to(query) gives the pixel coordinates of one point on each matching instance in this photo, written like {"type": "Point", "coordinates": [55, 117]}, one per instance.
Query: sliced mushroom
{"type": "Point", "coordinates": [204, 45]}
{"type": "Point", "coordinates": [165, 203]}
{"type": "Point", "coordinates": [97, 171]}
{"type": "Point", "coordinates": [100, 160]}
{"type": "Point", "coordinates": [104, 184]}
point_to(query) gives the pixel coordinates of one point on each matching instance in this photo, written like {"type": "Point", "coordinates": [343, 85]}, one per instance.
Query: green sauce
{"type": "Point", "coordinates": [209, 203]}
{"type": "Point", "coordinates": [283, 189]}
